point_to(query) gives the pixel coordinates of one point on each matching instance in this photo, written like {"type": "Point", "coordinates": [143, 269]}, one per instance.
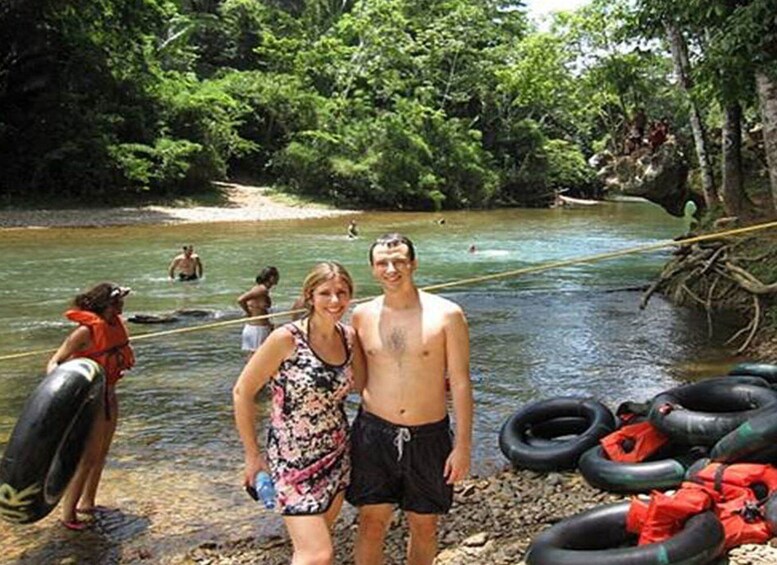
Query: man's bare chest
{"type": "Point", "coordinates": [398, 339]}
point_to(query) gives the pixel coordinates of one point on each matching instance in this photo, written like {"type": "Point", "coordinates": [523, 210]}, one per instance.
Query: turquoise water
{"type": "Point", "coordinates": [573, 330]}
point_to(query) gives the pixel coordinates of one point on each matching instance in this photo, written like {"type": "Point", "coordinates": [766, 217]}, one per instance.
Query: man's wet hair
{"type": "Point", "coordinates": [394, 239]}
{"type": "Point", "coordinates": [266, 274]}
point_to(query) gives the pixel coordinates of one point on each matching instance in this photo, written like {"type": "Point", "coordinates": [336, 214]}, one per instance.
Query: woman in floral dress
{"type": "Point", "coordinates": [310, 365]}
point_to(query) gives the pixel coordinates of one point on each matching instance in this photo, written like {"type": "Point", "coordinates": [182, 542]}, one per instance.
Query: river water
{"type": "Point", "coordinates": [174, 470]}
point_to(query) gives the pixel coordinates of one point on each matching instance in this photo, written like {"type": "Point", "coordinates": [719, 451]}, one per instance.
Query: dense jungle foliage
{"type": "Point", "coordinates": [414, 104]}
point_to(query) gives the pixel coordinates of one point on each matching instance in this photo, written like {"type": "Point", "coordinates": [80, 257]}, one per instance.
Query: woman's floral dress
{"type": "Point", "coordinates": [307, 442]}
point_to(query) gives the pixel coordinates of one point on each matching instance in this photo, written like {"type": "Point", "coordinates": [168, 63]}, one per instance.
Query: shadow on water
{"type": "Point", "coordinates": [100, 544]}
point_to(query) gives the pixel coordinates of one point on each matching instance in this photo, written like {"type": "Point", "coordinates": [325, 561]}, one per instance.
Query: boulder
{"type": "Point", "coordinates": [660, 176]}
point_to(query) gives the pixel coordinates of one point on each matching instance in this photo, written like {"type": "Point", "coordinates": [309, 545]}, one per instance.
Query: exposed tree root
{"type": "Point", "coordinates": [698, 271]}
{"type": "Point", "coordinates": [748, 281]}
{"type": "Point", "coordinates": [752, 327]}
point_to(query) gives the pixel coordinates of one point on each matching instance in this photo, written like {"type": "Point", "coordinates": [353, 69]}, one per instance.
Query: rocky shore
{"type": "Point", "coordinates": [493, 521]}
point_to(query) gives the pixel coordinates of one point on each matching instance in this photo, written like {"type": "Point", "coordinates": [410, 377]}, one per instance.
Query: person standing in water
{"type": "Point", "coordinates": [188, 265]}
{"type": "Point", "coordinates": [353, 232]}
{"type": "Point", "coordinates": [310, 366]}
{"type": "Point", "coordinates": [257, 302]}
{"type": "Point", "coordinates": [402, 450]}
{"type": "Point", "coordinates": [102, 337]}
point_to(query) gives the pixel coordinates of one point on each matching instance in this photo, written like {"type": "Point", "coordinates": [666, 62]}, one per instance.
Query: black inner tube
{"type": "Point", "coordinates": [702, 413]}
{"type": "Point", "coordinates": [554, 418]}
{"type": "Point", "coordinates": [48, 440]}
{"type": "Point", "coordinates": [598, 537]}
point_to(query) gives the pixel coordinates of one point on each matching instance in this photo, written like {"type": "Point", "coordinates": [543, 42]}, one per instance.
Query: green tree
{"type": "Point", "coordinates": [732, 42]}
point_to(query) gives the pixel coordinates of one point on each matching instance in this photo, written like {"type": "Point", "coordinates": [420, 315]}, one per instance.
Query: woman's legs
{"type": "Point", "coordinates": [311, 537]}
{"type": "Point", "coordinates": [89, 458]}
{"type": "Point", "coordinates": [93, 480]}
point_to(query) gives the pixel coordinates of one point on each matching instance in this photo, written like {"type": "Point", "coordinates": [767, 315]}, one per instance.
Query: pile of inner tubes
{"type": "Point", "coordinates": [712, 442]}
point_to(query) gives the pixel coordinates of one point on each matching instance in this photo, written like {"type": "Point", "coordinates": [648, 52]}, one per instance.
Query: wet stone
{"type": "Point", "coordinates": [477, 540]}
{"type": "Point", "coordinates": [468, 490]}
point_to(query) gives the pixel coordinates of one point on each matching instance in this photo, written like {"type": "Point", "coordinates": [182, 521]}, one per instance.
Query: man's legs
{"type": "Point", "coordinates": [422, 546]}
{"type": "Point", "coordinates": [374, 520]}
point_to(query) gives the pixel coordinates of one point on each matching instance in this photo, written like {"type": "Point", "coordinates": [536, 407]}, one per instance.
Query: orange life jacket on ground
{"type": "Point", "coordinates": [664, 515]}
{"type": "Point", "coordinates": [633, 443]}
{"type": "Point", "coordinates": [742, 488]}
{"type": "Point", "coordinates": [110, 343]}
{"type": "Point", "coordinates": [735, 492]}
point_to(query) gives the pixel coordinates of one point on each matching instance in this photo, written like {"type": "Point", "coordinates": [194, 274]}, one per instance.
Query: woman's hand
{"type": "Point", "coordinates": [253, 466]}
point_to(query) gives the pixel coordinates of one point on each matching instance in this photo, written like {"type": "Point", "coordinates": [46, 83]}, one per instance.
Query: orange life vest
{"type": "Point", "coordinates": [664, 515]}
{"type": "Point", "coordinates": [110, 343]}
{"type": "Point", "coordinates": [633, 443]}
{"type": "Point", "coordinates": [735, 492]}
{"type": "Point", "coordinates": [747, 475]}
{"type": "Point", "coordinates": [742, 488]}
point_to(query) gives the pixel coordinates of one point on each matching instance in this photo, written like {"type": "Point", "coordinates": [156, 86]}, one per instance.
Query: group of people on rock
{"type": "Point", "coordinates": [641, 134]}
{"type": "Point", "coordinates": [399, 352]}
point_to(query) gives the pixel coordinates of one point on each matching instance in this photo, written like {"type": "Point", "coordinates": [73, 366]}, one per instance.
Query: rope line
{"type": "Point", "coordinates": [461, 282]}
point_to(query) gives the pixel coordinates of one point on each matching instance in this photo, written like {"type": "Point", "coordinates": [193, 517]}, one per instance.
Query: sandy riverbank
{"type": "Point", "coordinates": [243, 203]}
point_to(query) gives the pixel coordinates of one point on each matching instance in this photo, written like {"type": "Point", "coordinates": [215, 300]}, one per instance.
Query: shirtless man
{"type": "Point", "coordinates": [187, 264]}
{"type": "Point", "coordinates": [402, 449]}
{"type": "Point", "coordinates": [353, 231]}
{"type": "Point", "coordinates": [257, 302]}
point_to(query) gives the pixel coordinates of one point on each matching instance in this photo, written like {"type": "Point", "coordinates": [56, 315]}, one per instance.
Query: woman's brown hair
{"type": "Point", "coordinates": [98, 298]}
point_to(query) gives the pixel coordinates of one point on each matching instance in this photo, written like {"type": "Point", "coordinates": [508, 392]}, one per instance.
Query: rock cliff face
{"type": "Point", "coordinates": [659, 175]}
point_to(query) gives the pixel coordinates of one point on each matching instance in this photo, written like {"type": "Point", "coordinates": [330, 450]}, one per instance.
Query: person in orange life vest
{"type": "Point", "coordinates": [101, 336]}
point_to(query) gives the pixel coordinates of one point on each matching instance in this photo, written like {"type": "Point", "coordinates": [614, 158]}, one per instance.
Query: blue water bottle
{"type": "Point", "coordinates": [265, 489]}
